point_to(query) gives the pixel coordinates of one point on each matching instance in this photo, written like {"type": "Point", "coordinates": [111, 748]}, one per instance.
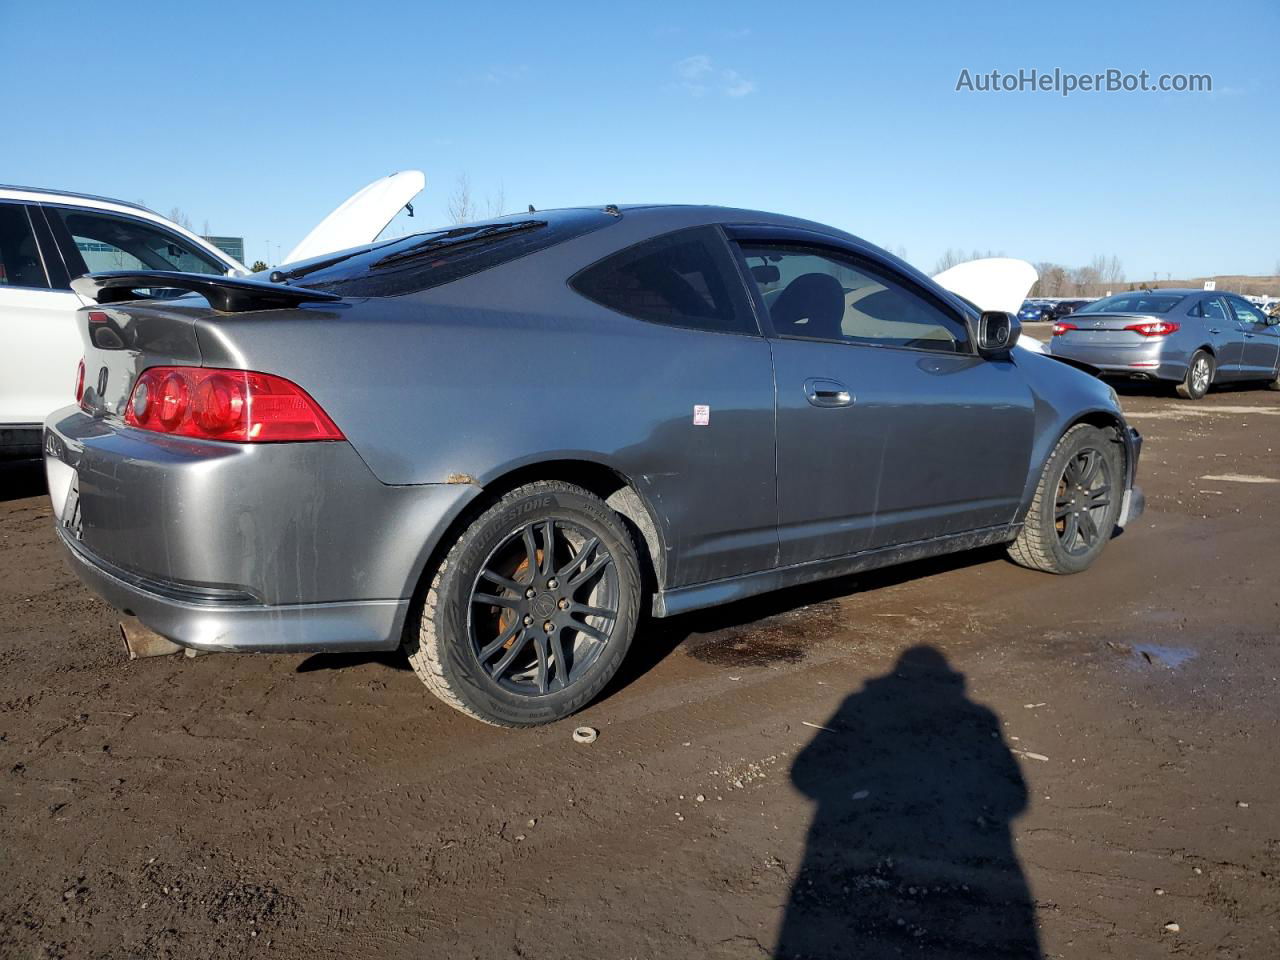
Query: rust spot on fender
{"type": "Point", "coordinates": [460, 478]}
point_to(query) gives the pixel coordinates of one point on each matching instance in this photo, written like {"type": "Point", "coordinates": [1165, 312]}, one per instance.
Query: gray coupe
{"type": "Point", "coordinates": [1191, 338]}
{"type": "Point", "coordinates": [500, 444]}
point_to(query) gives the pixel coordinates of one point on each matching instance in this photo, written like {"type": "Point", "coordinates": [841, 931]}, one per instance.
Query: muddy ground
{"type": "Point", "coordinates": [959, 758]}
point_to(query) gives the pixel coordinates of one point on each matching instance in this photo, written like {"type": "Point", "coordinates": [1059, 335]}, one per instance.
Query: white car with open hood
{"type": "Point", "coordinates": [50, 237]}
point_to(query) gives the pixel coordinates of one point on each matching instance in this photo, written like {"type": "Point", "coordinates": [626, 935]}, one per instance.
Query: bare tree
{"type": "Point", "coordinates": [1052, 282]}
{"type": "Point", "coordinates": [204, 231]}
{"type": "Point", "coordinates": [496, 203]}
{"type": "Point", "coordinates": [180, 218]}
{"type": "Point", "coordinates": [460, 207]}
{"type": "Point", "coordinates": [948, 260]}
{"type": "Point", "coordinates": [1085, 280]}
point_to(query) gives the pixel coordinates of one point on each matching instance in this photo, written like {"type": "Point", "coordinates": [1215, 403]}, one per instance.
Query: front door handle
{"type": "Point", "coordinates": [1215, 331]}
{"type": "Point", "coordinates": [827, 393]}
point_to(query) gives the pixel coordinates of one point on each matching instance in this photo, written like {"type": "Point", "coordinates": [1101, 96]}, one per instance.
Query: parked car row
{"type": "Point", "coordinates": [1043, 310]}
{"type": "Point", "coordinates": [499, 444]}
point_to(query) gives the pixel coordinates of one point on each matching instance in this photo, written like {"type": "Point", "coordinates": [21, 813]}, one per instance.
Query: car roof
{"type": "Point", "coordinates": [45, 191]}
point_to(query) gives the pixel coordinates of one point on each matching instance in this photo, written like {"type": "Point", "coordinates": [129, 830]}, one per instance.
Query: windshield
{"type": "Point", "coordinates": [1140, 301]}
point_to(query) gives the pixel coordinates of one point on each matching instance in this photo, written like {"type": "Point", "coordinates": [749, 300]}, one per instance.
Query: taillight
{"type": "Point", "coordinates": [1154, 328]}
{"type": "Point", "coordinates": [80, 381]}
{"type": "Point", "coordinates": [235, 405]}
{"type": "Point", "coordinates": [1062, 327]}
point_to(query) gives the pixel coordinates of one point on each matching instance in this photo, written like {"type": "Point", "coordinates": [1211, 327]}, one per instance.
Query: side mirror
{"type": "Point", "coordinates": [997, 334]}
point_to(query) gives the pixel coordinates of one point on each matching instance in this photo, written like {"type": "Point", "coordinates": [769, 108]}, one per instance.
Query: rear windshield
{"type": "Point", "coordinates": [407, 264]}
{"type": "Point", "coordinates": [1138, 302]}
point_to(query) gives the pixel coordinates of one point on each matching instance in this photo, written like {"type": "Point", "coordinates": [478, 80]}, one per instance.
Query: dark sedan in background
{"type": "Point", "coordinates": [1192, 338]}
{"type": "Point", "coordinates": [1062, 308]}
{"type": "Point", "coordinates": [489, 442]}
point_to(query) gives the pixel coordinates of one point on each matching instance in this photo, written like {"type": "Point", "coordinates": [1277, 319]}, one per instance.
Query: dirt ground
{"type": "Point", "coordinates": [959, 758]}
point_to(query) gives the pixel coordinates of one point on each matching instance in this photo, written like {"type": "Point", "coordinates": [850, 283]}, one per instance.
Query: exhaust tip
{"type": "Point", "coordinates": [139, 642]}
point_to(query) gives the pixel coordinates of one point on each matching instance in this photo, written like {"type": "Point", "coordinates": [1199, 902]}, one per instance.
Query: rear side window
{"type": "Point", "coordinates": [682, 279]}
{"type": "Point", "coordinates": [1210, 309]}
{"type": "Point", "coordinates": [20, 263]}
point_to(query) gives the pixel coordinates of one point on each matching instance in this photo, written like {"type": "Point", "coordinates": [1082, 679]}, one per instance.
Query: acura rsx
{"type": "Point", "coordinates": [499, 444]}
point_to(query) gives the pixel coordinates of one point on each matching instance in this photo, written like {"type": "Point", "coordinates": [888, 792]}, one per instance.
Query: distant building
{"type": "Point", "coordinates": [231, 246]}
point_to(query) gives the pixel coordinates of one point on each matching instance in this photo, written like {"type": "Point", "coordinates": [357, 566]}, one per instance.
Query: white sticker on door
{"type": "Point", "coordinates": [701, 414]}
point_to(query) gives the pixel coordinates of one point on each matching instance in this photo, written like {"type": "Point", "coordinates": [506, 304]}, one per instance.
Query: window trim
{"type": "Point", "coordinates": [75, 260]}
{"type": "Point", "coordinates": [744, 297]}
{"type": "Point", "coordinates": [25, 207]}
{"type": "Point", "coordinates": [833, 248]}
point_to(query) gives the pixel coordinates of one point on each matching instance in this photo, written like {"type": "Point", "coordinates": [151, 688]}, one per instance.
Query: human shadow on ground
{"type": "Point", "coordinates": [910, 852]}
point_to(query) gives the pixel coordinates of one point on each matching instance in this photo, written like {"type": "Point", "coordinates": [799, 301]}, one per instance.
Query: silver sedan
{"type": "Point", "coordinates": [1193, 338]}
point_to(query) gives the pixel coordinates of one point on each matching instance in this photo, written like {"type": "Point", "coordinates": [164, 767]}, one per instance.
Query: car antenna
{"type": "Point", "coordinates": [612, 210]}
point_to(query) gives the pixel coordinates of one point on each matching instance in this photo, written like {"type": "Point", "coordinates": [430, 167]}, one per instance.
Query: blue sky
{"type": "Point", "coordinates": [260, 118]}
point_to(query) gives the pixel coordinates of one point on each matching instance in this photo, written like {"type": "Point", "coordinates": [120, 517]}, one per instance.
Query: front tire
{"type": "Point", "coordinates": [1076, 503]}
{"type": "Point", "coordinates": [1199, 376]}
{"type": "Point", "coordinates": [532, 610]}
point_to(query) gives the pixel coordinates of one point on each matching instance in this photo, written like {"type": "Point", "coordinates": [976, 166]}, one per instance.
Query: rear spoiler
{"type": "Point", "coordinates": [225, 294]}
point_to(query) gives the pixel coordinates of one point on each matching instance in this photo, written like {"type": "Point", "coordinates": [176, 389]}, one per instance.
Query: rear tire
{"type": "Point", "coordinates": [1076, 503]}
{"type": "Point", "coordinates": [1199, 376]}
{"type": "Point", "coordinates": [533, 609]}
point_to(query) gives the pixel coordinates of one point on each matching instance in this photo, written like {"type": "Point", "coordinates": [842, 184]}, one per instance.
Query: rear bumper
{"type": "Point", "coordinates": [1154, 360]}
{"type": "Point", "coordinates": [239, 627]}
{"type": "Point", "coordinates": [218, 546]}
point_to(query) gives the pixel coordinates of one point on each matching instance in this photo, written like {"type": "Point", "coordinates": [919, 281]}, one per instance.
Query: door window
{"type": "Point", "coordinates": [1245, 311]}
{"type": "Point", "coordinates": [684, 279]}
{"type": "Point", "coordinates": [815, 295]}
{"type": "Point", "coordinates": [20, 262]}
{"type": "Point", "coordinates": [107, 242]}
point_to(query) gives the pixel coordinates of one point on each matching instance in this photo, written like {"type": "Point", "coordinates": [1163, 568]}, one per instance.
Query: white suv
{"type": "Point", "coordinates": [48, 237]}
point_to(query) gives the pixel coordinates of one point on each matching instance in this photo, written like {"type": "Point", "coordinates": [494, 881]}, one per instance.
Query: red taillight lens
{"type": "Point", "coordinates": [79, 381]}
{"type": "Point", "coordinates": [1062, 327]}
{"type": "Point", "coordinates": [1154, 328]}
{"type": "Point", "coordinates": [235, 405]}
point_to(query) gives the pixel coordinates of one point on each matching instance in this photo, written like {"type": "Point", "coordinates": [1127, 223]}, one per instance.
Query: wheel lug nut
{"type": "Point", "coordinates": [548, 626]}
{"type": "Point", "coordinates": [530, 593]}
{"type": "Point", "coordinates": [564, 604]}
{"type": "Point", "coordinates": [527, 620]}
{"type": "Point", "coordinates": [551, 584]}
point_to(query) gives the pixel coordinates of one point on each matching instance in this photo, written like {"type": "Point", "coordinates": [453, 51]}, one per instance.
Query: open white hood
{"type": "Point", "coordinates": [361, 217]}
{"type": "Point", "coordinates": [992, 283]}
